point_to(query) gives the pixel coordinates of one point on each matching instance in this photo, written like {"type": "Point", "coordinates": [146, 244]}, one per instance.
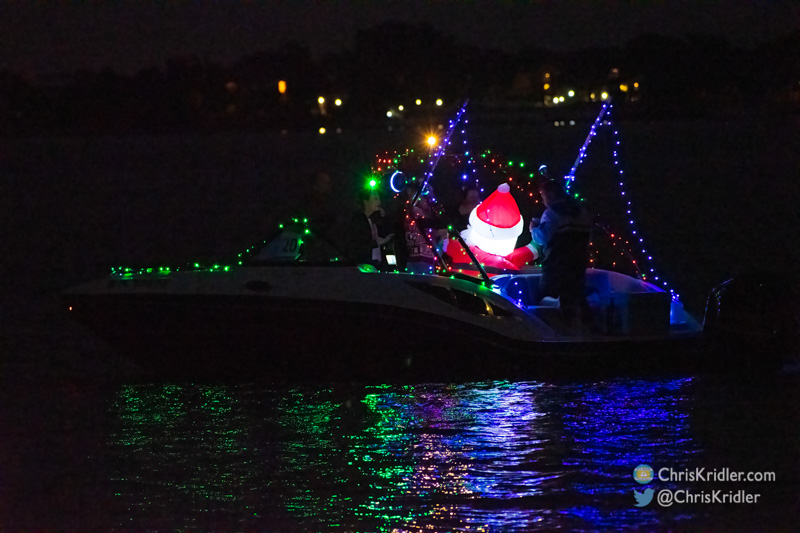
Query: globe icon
{"type": "Point", "coordinates": [643, 474]}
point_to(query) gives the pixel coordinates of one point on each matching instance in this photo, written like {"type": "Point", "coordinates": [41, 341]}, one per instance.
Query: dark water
{"type": "Point", "coordinates": [493, 456]}
{"type": "Point", "coordinates": [87, 446]}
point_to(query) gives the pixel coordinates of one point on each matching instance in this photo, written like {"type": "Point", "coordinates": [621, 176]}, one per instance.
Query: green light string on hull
{"type": "Point", "coordinates": [127, 272]}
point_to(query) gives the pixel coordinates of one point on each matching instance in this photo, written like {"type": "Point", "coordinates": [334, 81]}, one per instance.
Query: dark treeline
{"type": "Point", "coordinates": [654, 76]}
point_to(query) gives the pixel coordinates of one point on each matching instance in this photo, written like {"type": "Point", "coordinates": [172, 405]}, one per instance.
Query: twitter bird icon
{"type": "Point", "coordinates": [643, 498]}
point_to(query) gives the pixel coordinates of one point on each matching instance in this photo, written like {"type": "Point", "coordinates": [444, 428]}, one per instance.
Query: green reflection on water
{"type": "Point", "coordinates": [382, 458]}
{"type": "Point", "coordinates": [180, 443]}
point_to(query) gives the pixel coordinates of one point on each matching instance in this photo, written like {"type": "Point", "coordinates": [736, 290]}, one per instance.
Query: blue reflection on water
{"type": "Point", "coordinates": [480, 456]}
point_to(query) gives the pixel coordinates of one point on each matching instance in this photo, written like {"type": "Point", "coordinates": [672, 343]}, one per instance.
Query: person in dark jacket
{"type": "Point", "coordinates": [367, 230]}
{"type": "Point", "coordinates": [563, 233]}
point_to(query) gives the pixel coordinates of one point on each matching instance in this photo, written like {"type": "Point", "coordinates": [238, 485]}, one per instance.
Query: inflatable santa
{"type": "Point", "coordinates": [492, 232]}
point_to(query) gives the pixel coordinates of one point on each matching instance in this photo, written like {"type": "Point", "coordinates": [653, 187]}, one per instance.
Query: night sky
{"type": "Point", "coordinates": [50, 36]}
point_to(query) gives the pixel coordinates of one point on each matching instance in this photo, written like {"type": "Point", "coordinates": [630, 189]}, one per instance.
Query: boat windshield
{"type": "Point", "coordinates": [294, 243]}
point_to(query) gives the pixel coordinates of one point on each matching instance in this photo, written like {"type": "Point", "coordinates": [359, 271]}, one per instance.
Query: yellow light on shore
{"type": "Point", "coordinates": [389, 113]}
{"type": "Point", "coordinates": [321, 100]}
{"type": "Point", "coordinates": [571, 94]}
{"type": "Point", "coordinates": [604, 96]}
{"type": "Point", "coordinates": [400, 108]}
{"type": "Point", "coordinates": [322, 131]}
{"type": "Point", "coordinates": [439, 101]}
{"type": "Point", "coordinates": [418, 102]}
{"type": "Point", "coordinates": [338, 102]}
{"type": "Point", "coordinates": [282, 87]}
{"type": "Point", "coordinates": [546, 86]}
{"type": "Point", "coordinates": [623, 87]}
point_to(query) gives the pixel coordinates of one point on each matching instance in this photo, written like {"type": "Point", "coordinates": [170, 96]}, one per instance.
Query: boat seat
{"type": "Point", "coordinates": [525, 290]}
{"type": "Point", "coordinates": [548, 301]}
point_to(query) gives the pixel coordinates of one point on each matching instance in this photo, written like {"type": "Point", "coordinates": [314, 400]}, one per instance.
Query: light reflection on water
{"type": "Point", "coordinates": [478, 457]}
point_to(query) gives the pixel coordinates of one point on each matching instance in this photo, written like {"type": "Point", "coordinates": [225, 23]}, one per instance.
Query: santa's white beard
{"type": "Point", "coordinates": [501, 247]}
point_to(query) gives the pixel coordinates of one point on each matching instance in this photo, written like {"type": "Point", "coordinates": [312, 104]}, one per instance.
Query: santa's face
{"type": "Point", "coordinates": [494, 246]}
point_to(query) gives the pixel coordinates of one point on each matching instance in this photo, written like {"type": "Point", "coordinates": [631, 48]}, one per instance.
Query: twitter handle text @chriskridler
{"type": "Point", "coordinates": [667, 497]}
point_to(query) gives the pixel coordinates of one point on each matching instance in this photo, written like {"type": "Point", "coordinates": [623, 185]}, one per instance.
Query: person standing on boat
{"type": "Point", "coordinates": [421, 228]}
{"type": "Point", "coordinates": [470, 199]}
{"type": "Point", "coordinates": [563, 232]}
{"type": "Point", "coordinates": [367, 231]}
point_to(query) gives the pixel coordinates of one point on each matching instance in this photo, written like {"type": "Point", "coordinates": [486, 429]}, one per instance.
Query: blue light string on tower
{"type": "Point", "coordinates": [638, 239]}
{"type": "Point", "coordinates": [441, 147]}
{"type": "Point", "coordinates": [467, 161]}
{"type": "Point", "coordinates": [569, 178]}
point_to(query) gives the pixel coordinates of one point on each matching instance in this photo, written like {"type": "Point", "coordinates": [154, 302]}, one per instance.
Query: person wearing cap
{"type": "Point", "coordinates": [563, 233]}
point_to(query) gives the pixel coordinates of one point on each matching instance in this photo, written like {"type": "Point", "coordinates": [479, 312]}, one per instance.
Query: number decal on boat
{"type": "Point", "coordinates": [284, 247]}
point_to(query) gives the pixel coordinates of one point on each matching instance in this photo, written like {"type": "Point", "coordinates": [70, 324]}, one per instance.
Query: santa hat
{"type": "Point", "coordinates": [496, 222]}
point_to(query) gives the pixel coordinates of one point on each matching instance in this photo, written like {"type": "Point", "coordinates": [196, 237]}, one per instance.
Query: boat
{"type": "Point", "coordinates": [294, 307]}
{"type": "Point", "coordinates": [314, 315]}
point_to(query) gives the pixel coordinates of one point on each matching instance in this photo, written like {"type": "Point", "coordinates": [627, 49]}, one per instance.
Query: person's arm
{"type": "Point", "coordinates": [543, 231]}
{"type": "Point", "coordinates": [384, 240]}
